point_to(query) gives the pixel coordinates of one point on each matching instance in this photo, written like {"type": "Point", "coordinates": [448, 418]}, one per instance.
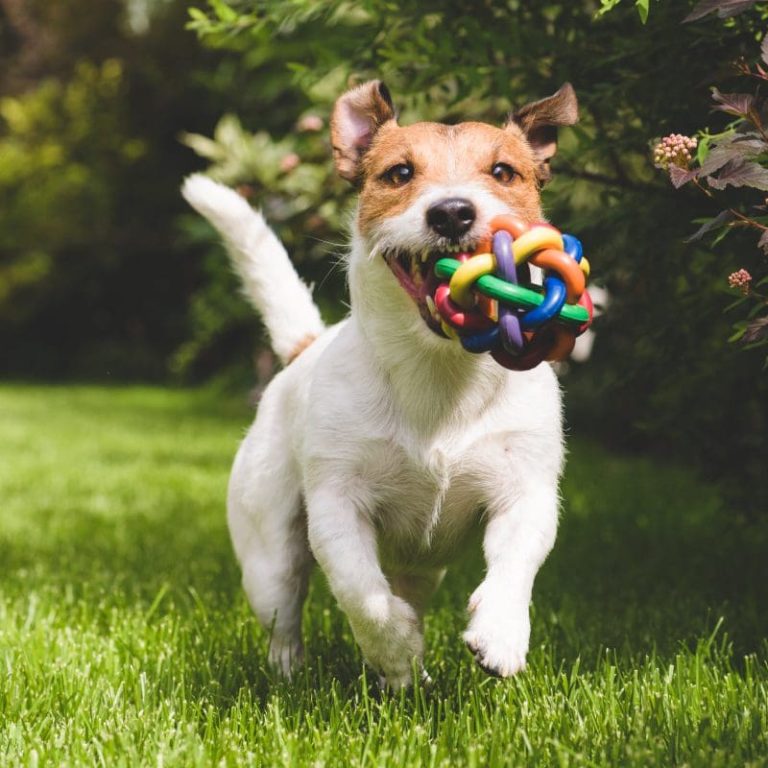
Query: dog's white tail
{"type": "Point", "coordinates": [271, 283]}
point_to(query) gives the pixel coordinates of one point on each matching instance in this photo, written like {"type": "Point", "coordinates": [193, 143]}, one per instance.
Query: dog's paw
{"type": "Point", "coordinates": [389, 633]}
{"type": "Point", "coordinates": [498, 634]}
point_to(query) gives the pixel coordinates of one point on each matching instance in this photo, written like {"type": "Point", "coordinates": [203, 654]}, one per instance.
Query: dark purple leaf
{"type": "Point", "coordinates": [762, 243]}
{"type": "Point", "coordinates": [722, 218]}
{"type": "Point", "coordinates": [724, 8]}
{"type": "Point", "coordinates": [680, 176]}
{"type": "Point", "coordinates": [740, 173]}
{"type": "Point", "coordinates": [747, 147]}
{"type": "Point", "coordinates": [757, 330]}
{"type": "Point", "coordinates": [731, 148]}
{"type": "Point", "coordinates": [737, 104]}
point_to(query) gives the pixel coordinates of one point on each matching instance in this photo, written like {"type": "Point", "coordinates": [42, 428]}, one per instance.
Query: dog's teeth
{"type": "Point", "coordinates": [424, 255]}
{"type": "Point", "coordinates": [432, 308]}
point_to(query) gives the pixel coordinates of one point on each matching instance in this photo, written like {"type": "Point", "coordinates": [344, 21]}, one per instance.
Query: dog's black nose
{"type": "Point", "coordinates": [451, 218]}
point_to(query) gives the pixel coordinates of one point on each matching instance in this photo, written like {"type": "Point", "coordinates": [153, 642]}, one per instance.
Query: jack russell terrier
{"type": "Point", "coordinates": [381, 443]}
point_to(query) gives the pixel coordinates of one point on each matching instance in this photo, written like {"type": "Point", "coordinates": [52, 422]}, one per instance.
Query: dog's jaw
{"type": "Point", "coordinates": [390, 301]}
{"type": "Point", "coordinates": [415, 271]}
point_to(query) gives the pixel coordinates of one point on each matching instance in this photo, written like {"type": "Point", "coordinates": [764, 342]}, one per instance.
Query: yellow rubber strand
{"type": "Point", "coordinates": [466, 275]}
{"type": "Point", "coordinates": [584, 264]}
{"type": "Point", "coordinates": [536, 239]}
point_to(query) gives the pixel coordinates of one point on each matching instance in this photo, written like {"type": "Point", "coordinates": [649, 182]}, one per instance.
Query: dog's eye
{"type": "Point", "coordinates": [398, 174]}
{"type": "Point", "coordinates": [504, 173]}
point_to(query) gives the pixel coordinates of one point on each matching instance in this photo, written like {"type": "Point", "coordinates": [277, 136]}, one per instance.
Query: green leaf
{"type": "Point", "coordinates": [606, 6]}
{"type": "Point", "coordinates": [223, 11]}
{"type": "Point", "coordinates": [642, 9]}
{"type": "Point", "coordinates": [702, 149]}
{"type": "Point", "coordinates": [197, 14]}
{"type": "Point", "coordinates": [737, 335]}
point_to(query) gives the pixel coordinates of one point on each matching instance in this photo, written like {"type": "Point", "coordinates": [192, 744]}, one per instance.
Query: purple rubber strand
{"type": "Point", "coordinates": [509, 324]}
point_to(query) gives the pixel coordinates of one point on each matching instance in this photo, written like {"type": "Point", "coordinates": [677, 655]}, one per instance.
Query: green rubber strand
{"type": "Point", "coordinates": [509, 293]}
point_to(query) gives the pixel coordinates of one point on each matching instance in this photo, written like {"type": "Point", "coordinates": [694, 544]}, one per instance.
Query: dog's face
{"type": "Point", "coordinates": [428, 190]}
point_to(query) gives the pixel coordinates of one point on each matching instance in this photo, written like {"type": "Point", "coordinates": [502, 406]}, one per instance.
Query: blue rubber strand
{"type": "Point", "coordinates": [484, 341]}
{"type": "Point", "coordinates": [572, 246]}
{"type": "Point", "coordinates": [554, 298]}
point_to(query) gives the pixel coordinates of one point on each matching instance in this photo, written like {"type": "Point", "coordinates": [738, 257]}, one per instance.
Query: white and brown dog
{"type": "Point", "coordinates": [379, 446]}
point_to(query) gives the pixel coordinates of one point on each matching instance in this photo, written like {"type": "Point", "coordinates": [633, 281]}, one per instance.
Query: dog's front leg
{"type": "Point", "coordinates": [518, 537]}
{"type": "Point", "coordinates": [386, 627]}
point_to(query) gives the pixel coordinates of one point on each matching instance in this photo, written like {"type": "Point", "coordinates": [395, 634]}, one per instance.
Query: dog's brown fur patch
{"type": "Point", "coordinates": [300, 347]}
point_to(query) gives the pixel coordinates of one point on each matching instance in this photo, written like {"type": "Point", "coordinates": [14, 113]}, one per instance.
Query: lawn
{"type": "Point", "coordinates": [125, 638]}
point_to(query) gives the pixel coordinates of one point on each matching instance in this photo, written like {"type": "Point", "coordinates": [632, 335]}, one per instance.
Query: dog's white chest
{"type": "Point", "coordinates": [423, 499]}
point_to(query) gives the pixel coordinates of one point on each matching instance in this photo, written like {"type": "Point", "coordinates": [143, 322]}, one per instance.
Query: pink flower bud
{"type": "Point", "coordinates": [289, 162]}
{"type": "Point", "coordinates": [311, 123]}
{"type": "Point", "coordinates": [673, 150]}
{"type": "Point", "coordinates": [741, 280]}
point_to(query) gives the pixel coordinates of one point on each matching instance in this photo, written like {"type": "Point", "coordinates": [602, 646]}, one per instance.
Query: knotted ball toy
{"type": "Point", "coordinates": [487, 300]}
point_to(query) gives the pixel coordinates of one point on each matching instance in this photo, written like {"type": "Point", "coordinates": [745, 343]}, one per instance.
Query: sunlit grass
{"type": "Point", "coordinates": [125, 639]}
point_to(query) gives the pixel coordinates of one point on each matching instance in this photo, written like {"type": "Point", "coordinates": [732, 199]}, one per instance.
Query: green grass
{"type": "Point", "coordinates": [125, 639]}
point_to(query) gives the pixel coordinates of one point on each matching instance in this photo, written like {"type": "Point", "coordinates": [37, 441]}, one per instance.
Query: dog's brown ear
{"type": "Point", "coordinates": [357, 115]}
{"type": "Point", "coordinates": [539, 121]}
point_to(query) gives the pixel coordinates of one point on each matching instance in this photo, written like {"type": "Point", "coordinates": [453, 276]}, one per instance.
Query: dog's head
{"type": "Point", "coordinates": [427, 190]}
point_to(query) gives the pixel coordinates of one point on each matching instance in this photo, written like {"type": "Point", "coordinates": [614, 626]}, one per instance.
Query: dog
{"type": "Point", "coordinates": [381, 443]}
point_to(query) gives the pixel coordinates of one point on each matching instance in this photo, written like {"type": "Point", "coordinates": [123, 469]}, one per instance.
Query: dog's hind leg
{"type": "Point", "coordinates": [417, 587]}
{"type": "Point", "coordinates": [267, 524]}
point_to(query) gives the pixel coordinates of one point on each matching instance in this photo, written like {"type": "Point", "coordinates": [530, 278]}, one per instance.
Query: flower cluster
{"type": "Point", "coordinates": [674, 149]}
{"type": "Point", "coordinates": [740, 280]}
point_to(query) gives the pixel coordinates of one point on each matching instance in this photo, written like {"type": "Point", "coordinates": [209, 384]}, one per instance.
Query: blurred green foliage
{"type": "Point", "coordinates": [119, 290]}
{"type": "Point", "coordinates": [93, 278]}
{"type": "Point", "coordinates": [54, 197]}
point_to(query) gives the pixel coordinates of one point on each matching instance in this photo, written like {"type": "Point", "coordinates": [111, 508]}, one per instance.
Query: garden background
{"type": "Point", "coordinates": [128, 361]}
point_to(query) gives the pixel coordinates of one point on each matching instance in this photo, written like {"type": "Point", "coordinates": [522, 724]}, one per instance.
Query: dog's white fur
{"type": "Point", "coordinates": [376, 450]}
